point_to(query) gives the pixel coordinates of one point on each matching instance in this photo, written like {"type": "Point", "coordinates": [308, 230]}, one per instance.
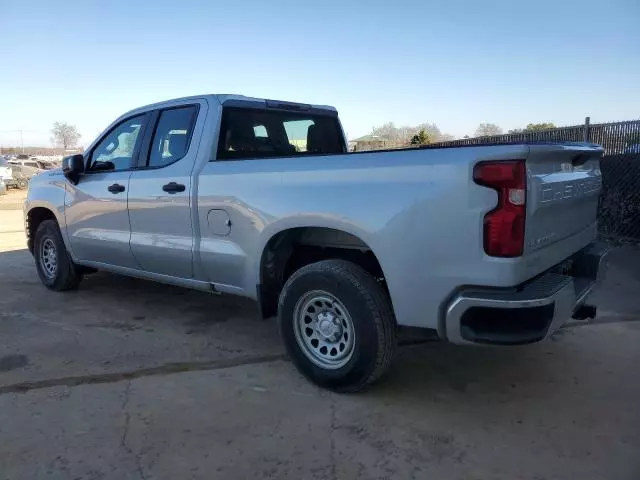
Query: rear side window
{"type": "Point", "coordinates": [172, 136]}
{"type": "Point", "coordinates": [247, 133]}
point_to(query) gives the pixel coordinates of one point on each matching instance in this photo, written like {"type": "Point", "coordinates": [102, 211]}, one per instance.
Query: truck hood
{"type": "Point", "coordinates": [46, 176]}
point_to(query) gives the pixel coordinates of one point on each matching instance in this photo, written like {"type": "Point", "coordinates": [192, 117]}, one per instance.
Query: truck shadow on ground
{"type": "Point", "coordinates": [427, 368]}
{"type": "Point", "coordinates": [193, 309]}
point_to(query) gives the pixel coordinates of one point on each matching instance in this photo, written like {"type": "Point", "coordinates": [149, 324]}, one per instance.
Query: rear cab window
{"type": "Point", "coordinates": [263, 133]}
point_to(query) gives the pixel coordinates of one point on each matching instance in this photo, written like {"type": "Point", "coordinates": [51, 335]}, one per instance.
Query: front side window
{"type": "Point", "coordinates": [116, 150]}
{"type": "Point", "coordinates": [172, 136]}
{"type": "Point", "coordinates": [248, 133]}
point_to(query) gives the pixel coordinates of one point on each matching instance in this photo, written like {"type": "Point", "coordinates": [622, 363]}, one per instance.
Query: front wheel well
{"type": "Point", "coordinates": [34, 218]}
{"type": "Point", "coordinates": [290, 250]}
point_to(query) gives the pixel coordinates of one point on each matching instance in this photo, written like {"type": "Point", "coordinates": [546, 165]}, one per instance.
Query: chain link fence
{"type": "Point", "coordinates": [619, 210]}
{"type": "Point", "coordinates": [616, 137]}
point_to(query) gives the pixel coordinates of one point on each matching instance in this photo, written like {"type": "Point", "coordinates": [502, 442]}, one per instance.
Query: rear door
{"type": "Point", "coordinates": [96, 208]}
{"type": "Point", "coordinates": [255, 146]}
{"type": "Point", "coordinates": [564, 183]}
{"type": "Point", "coordinates": [162, 235]}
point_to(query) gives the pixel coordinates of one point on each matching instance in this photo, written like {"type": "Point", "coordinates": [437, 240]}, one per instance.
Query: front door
{"type": "Point", "coordinates": [96, 208]}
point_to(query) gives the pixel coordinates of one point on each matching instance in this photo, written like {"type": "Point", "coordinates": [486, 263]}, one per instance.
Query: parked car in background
{"type": "Point", "coordinates": [20, 180]}
{"type": "Point", "coordinates": [28, 168]}
{"type": "Point", "coordinates": [5, 170]}
{"type": "Point", "coordinates": [482, 245]}
{"type": "Point", "coordinates": [48, 164]}
{"type": "Point", "coordinates": [33, 162]}
{"type": "Point", "coordinates": [28, 162]}
{"type": "Point", "coordinates": [3, 188]}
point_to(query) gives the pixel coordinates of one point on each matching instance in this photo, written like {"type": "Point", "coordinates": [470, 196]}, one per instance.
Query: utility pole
{"type": "Point", "coordinates": [21, 141]}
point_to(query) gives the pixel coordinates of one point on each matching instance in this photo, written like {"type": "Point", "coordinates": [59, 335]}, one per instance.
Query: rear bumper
{"type": "Point", "coordinates": [529, 312]}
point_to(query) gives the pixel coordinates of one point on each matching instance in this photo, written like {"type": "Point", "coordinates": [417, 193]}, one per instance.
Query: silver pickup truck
{"type": "Point", "coordinates": [490, 245]}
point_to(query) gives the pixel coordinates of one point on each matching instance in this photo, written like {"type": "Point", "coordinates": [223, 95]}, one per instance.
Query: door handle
{"type": "Point", "coordinates": [116, 188]}
{"type": "Point", "coordinates": [173, 187]}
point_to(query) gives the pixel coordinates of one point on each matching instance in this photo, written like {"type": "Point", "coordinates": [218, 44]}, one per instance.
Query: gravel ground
{"type": "Point", "coordinates": [12, 200]}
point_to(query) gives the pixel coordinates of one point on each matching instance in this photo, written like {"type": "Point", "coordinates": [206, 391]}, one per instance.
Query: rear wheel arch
{"type": "Point", "coordinates": [293, 248]}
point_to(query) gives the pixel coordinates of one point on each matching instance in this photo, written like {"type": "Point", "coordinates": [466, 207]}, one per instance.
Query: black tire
{"type": "Point", "coordinates": [369, 309]}
{"type": "Point", "coordinates": [22, 184]}
{"type": "Point", "coordinates": [67, 275]}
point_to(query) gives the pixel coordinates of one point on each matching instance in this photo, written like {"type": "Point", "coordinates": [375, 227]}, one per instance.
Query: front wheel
{"type": "Point", "coordinates": [337, 325]}
{"type": "Point", "coordinates": [22, 184]}
{"type": "Point", "coordinates": [55, 268]}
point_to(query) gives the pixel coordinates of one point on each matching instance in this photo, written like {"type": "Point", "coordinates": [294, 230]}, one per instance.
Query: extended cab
{"type": "Point", "coordinates": [488, 245]}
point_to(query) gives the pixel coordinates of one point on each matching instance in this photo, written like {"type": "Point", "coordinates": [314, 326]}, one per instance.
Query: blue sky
{"type": "Point", "coordinates": [455, 63]}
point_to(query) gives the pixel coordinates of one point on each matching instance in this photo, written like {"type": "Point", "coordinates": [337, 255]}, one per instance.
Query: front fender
{"type": "Point", "coordinates": [48, 190]}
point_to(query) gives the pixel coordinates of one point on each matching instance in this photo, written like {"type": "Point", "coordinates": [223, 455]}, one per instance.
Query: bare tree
{"type": "Point", "coordinates": [399, 136]}
{"type": "Point", "coordinates": [486, 129]}
{"type": "Point", "coordinates": [64, 135]}
{"type": "Point", "coordinates": [388, 131]}
{"type": "Point", "coordinates": [536, 127]}
{"type": "Point", "coordinates": [433, 132]}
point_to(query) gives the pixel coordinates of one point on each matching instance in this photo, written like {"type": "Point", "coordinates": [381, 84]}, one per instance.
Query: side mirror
{"type": "Point", "coordinates": [72, 167]}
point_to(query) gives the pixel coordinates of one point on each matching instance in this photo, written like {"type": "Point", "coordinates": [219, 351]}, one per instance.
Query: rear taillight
{"type": "Point", "coordinates": [504, 225]}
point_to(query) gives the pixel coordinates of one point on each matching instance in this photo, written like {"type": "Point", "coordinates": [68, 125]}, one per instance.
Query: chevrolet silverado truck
{"type": "Point", "coordinates": [483, 245]}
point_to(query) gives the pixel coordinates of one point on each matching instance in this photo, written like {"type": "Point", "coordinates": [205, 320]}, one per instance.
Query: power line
{"type": "Point", "coordinates": [24, 130]}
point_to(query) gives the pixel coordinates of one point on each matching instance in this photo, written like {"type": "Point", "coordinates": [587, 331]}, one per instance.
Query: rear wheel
{"type": "Point", "coordinates": [22, 184]}
{"type": "Point", "coordinates": [53, 263]}
{"type": "Point", "coordinates": [337, 324]}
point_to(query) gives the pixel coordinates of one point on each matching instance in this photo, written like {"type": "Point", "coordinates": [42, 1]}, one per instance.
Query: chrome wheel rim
{"type": "Point", "coordinates": [49, 258]}
{"type": "Point", "coordinates": [324, 330]}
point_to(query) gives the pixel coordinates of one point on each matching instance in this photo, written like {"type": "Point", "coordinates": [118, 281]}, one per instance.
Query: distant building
{"type": "Point", "coordinates": [370, 142]}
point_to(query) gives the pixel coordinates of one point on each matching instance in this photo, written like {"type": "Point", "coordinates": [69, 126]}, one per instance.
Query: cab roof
{"type": "Point", "coordinates": [231, 100]}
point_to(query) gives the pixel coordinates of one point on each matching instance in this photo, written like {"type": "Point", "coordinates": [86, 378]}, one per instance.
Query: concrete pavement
{"type": "Point", "coordinates": [129, 379]}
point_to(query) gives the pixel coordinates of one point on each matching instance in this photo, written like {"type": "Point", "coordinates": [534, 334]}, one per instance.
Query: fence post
{"type": "Point", "coordinates": [587, 120]}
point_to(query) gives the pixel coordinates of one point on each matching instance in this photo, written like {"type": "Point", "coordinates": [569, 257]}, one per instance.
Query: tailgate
{"type": "Point", "coordinates": [563, 186]}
